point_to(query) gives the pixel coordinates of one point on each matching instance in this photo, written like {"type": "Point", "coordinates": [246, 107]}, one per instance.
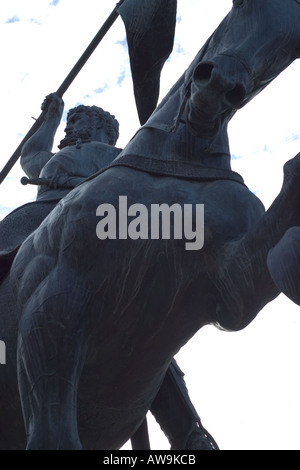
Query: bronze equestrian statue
{"type": "Point", "coordinates": [56, 174]}
{"type": "Point", "coordinates": [101, 317]}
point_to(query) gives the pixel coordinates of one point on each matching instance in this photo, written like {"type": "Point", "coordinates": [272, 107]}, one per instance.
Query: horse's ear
{"type": "Point", "coordinates": [150, 29]}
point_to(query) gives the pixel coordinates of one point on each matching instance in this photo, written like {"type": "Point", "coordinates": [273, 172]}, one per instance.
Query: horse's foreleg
{"type": "Point", "coordinates": [51, 351]}
{"type": "Point", "coordinates": [183, 428]}
{"type": "Point", "coordinates": [284, 264]}
{"type": "Point", "coordinates": [244, 279]}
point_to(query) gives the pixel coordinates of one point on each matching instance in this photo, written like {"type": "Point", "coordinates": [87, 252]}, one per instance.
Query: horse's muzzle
{"type": "Point", "coordinates": [217, 90]}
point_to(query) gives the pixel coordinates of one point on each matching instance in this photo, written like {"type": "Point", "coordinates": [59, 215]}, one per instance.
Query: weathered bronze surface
{"type": "Point", "coordinates": [101, 319]}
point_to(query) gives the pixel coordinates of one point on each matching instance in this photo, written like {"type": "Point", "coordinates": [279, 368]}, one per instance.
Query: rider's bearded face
{"type": "Point", "coordinates": [79, 126]}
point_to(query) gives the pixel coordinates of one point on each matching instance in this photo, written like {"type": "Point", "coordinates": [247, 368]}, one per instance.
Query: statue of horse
{"type": "Point", "coordinates": [105, 297]}
{"type": "Point", "coordinates": [86, 146]}
{"type": "Point", "coordinates": [183, 429]}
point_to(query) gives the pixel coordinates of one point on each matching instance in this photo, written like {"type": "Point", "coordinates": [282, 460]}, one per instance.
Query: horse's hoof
{"type": "Point", "coordinates": [199, 439]}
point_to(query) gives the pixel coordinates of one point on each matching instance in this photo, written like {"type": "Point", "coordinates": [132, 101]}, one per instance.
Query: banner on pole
{"type": "Point", "coordinates": [150, 30]}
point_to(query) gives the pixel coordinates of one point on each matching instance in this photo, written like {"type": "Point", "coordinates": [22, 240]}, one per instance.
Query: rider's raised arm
{"type": "Point", "coordinates": [38, 149]}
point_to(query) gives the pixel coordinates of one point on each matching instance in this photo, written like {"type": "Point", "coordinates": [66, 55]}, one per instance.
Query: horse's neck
{"type": "Point", "coordinates": [179, 145]}
{"type": "Point", "coordinates": [165, 135]}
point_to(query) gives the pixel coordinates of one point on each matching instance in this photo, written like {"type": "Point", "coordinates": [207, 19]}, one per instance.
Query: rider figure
{"type": "Point", "coordinates": [88, 146]}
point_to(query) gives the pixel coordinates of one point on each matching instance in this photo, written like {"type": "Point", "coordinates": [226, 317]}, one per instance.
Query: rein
{"type": "Point", "coordinates": [154, 166]}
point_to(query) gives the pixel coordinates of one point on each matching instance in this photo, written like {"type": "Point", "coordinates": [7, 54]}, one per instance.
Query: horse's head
{"type": "Point", "coordinates": [256, 41]}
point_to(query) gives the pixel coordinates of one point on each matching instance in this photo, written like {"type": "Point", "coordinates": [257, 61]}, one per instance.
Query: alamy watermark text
{"type": "Point", "coordinates": [161, 221]}
{"type": "Point", "coordinates": [2, 353]}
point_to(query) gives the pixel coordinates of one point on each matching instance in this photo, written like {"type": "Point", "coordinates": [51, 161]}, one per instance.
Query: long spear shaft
{"type": "Point", "coordinates": [63, 87]}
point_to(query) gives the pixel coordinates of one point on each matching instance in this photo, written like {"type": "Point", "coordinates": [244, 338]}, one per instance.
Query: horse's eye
{"type": "Point", "coordinates": [237, 3]}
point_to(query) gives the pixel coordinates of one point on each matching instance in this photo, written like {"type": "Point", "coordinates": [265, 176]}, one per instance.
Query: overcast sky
{"type": "Point", "coordinates": [244, 385]}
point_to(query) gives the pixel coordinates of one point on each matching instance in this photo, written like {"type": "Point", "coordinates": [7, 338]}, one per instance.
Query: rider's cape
{"type": "Point", "coordinates": [16, 227]}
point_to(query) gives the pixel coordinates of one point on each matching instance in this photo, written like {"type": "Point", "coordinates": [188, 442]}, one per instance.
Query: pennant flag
{"type": "Point", "coordinates": [150, 29]}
